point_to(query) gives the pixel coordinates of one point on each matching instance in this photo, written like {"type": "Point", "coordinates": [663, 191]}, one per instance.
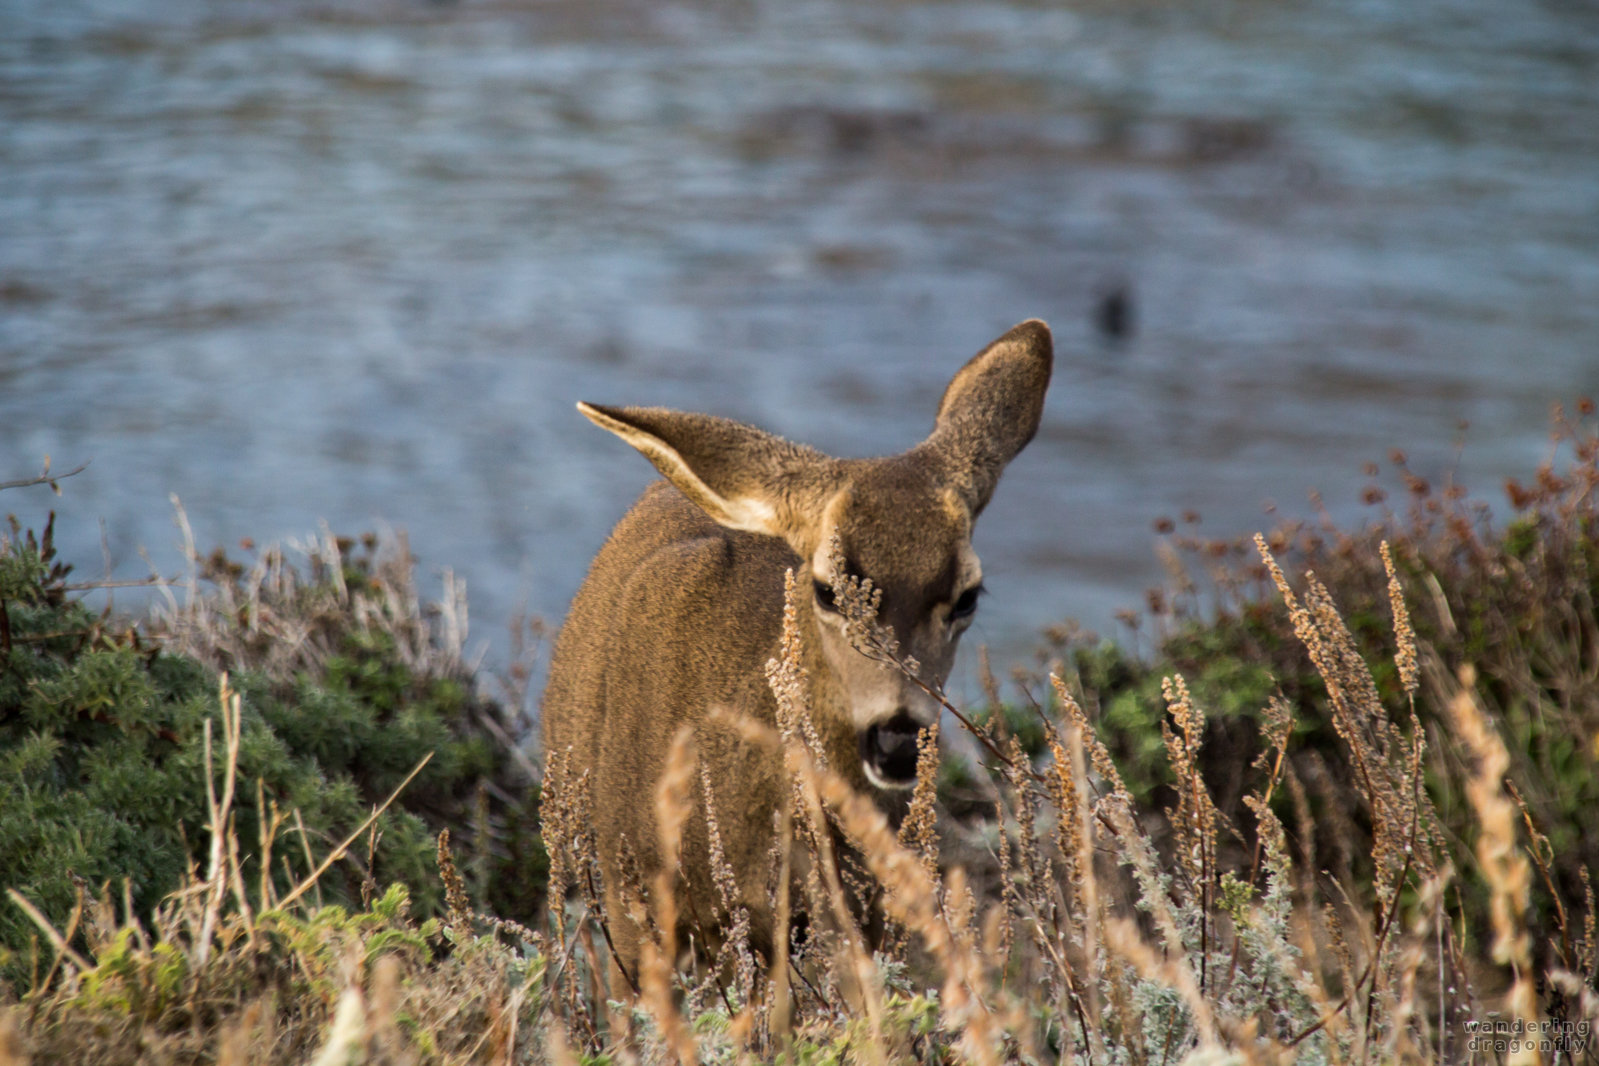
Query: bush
{"type": "Point", "coordinates": [103, 738]}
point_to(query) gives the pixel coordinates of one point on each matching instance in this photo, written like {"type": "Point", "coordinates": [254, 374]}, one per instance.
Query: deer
{"type": "Point", "coordinates": [683, 606]}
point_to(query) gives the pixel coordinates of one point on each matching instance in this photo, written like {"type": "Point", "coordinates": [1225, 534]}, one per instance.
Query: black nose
{"type": "Point", "coordinates": [889, 748]}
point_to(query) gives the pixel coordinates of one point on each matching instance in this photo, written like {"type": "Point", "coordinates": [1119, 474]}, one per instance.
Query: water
{"type": "Point", "coordinates": [356, 262]}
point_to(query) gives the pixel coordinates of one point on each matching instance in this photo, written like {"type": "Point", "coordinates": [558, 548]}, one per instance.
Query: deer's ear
{"type": "Point", "coordinates": [991, 409]}
{"type": "Point", "coordinates": [742, 477]}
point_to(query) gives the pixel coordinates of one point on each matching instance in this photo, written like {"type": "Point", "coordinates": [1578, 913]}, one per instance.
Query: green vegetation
{"type": "Point", "coordinates": [104, 734]}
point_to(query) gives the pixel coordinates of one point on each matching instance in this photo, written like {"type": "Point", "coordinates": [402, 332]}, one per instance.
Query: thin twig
{"type": "Point", "coordinates": [44, 477]}
{"type": "Point", "coordinates": [337, 853]}
{"type": "Point", "coordinates": [57, 941]}
{"type": "Point", "coordinates": [152, 581]}
{"type": "Point", "coordinates": [605, 930]}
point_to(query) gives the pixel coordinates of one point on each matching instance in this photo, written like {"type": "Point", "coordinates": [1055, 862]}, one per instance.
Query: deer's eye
{"type": "Point", "coordinates": [824, 596]}
{"type": "Point", "coordinates": [966, 604]}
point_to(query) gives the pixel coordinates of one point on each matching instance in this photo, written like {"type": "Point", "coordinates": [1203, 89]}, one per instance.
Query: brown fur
{"type": "Point", "coordinates": [682, 610]}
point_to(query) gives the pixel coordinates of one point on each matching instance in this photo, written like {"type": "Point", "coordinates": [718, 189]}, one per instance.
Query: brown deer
{"type": "Point", "coordinates": [682, 609]}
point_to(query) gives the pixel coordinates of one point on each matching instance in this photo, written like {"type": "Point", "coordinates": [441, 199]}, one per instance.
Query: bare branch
{"type": "Point", "coordinates": [45, 478]}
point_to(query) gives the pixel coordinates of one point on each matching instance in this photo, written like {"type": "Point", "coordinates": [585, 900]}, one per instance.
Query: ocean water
{"type": "Point", "coordinates": [297, 263]}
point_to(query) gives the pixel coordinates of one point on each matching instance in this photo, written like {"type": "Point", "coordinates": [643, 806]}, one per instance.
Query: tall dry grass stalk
{"type": "Point", "coordinates": [1503, 864]}
{"type": "Point", "coordinates": [220, 823]}
{"type": "Point", "coordinates": [918, 833]}
{"type": "Point", "coordinates": [1404, 636]}
{"type": "Point", "coordinates": [658, 957]}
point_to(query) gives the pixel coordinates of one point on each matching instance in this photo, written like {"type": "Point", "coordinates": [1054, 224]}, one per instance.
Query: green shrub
{"type": "Point", "coordinates": [103, 747]}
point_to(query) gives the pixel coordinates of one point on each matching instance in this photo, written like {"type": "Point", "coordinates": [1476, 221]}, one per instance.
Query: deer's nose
{"type": "Point", "coordinates": [888, 750]}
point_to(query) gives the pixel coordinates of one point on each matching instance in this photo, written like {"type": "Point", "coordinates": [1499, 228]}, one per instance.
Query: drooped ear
{"type": "Point", "coordinates": [991, 409]}
{"type": "Point", "coordinates": [742, 477]}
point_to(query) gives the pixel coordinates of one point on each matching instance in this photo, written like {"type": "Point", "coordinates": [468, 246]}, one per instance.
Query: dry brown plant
{"type": "Point", "coordinates": [919, 831]}
{"type": "Point", "coordinates": [1404, 636]}
{"type": "Point", "coordinates": [658, 958]}
{"type": "Point", "coordinates": [1503, 864]}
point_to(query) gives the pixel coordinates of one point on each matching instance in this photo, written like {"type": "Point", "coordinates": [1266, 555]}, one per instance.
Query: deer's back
{"type": "Point", "coordinates": [677, 615]}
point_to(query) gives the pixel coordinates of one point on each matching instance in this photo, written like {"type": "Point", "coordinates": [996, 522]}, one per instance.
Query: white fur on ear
{"type": "Point", "coordinates": [745, 513]}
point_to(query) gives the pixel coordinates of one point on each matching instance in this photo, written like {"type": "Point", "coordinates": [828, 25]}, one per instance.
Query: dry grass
{"type": "Point", "coordinates": [1108, 934]}
{"type": "Point", "coordinates": [1511, 592]}
{"type": "Point", "coordinates": [288, 608]}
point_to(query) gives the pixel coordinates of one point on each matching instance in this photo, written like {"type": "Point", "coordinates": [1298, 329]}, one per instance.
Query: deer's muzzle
{"type": "Point", "coordinates": [888, 752]}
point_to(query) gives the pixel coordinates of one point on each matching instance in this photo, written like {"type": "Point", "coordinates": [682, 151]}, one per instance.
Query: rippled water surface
{"type": "Point", "coordinates": [356, 262]}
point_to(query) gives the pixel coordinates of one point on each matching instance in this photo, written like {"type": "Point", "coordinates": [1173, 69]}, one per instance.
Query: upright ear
{"type": "Point", "coordinates": [991, 410]}
{"type": "Point", "coordinates": [742, 477]}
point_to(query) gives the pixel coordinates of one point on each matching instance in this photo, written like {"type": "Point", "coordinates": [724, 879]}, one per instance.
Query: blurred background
{"type": "Point", "coordinates": [299, 262]}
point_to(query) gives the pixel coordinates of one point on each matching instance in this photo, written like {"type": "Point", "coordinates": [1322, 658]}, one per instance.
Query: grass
{"type": "Point", "coordinates": [1338, 820]}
